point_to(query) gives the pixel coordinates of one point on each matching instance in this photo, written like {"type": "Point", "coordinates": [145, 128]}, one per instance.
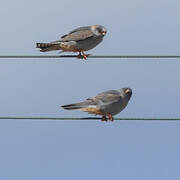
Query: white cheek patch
{"type": "Point", "coordinates": [127, 91]}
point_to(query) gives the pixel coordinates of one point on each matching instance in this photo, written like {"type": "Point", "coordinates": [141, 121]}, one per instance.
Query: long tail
{"type": "Point", "coordinates": [48, 46]}
{"type": "Point", "coordinates": [80, 105]}
{"type": "Point", "coordinates": [85, 106]}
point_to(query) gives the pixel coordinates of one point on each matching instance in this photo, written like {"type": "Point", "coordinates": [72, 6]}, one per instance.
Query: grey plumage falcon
{"type": "Point", "coordinates": [79, 40]}
{"type": "Point", "coordinates": [106, 104]}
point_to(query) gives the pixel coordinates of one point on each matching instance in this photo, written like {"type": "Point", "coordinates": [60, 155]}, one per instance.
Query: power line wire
{"type": "Point", "coordinates": [85, 118]}
{"type": "Point", "coordinates": [92, 56]}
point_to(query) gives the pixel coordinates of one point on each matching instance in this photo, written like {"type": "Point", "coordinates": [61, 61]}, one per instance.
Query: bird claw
{"type": "Point", "coordinates": [110, 117]}
{"type": "Point", "coordinates": [104, 118]}
{"type": "Point", "coordinates": [82, 56]}
{"type": "Point", "coordinates": [86, 55]}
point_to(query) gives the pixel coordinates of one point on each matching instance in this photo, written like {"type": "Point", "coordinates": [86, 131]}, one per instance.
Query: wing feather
{"type": "Point", "coordinates": [81, 29]}
{"type": "Point", "coordinates": [107, 97]}
{"type": "Point", "coordinates": [77, 35]}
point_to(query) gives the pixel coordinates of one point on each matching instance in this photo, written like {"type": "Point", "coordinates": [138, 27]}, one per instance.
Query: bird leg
{"type": "Point", "coordinates": [80, 56]}
{"type": "Point", "coordinates": [110, 117]}
{"type": "Point", "coordinates": [83, 55]}
{"type": "Point", "coordinates": [104, 118]}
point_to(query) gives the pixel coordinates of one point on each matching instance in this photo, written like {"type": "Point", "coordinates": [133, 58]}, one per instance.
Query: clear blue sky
{"type": "Point", "coordinates": [142, 150]}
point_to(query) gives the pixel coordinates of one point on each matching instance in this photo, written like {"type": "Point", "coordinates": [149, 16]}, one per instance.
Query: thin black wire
{"type": "Point", "coordinates": [92, 56]}
{"type": "Point", "coordinates": [85, 118]}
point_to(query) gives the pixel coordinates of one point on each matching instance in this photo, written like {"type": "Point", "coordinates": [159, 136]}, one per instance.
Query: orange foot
{"type": "Point", "coordinates": [82, 56]}
{"type": "Point", "coordinates": [110, 117]}
{"type": "Point", "coordinates": [104, 118]}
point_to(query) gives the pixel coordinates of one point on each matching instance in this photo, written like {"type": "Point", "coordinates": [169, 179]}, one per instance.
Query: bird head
{"type": "Point", "coordinates": [125, 92]}
{"type": "Point", "coordinates": [99, 30]}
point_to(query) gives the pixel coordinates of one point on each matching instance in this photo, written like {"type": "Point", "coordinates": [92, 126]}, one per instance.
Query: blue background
{"type": "Point", "coordinates": [38, 87]}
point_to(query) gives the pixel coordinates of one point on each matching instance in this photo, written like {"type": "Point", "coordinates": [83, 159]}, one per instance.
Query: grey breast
{"type": "Point", "coordinates": [88, 43]}
{"type": "Point", "coordinates": [111, 104]}
{"type": "Point", "coordinates": [114, 108]}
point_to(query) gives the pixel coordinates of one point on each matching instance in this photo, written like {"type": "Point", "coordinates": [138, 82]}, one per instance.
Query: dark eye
{"type": "Point", "coordinates": [129, 93]}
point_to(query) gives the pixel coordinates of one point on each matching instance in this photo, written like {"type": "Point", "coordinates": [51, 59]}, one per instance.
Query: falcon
{"type": "Point", "coordinates": [79, 40]}
{"type": "Point", "coordinates": [107, 104]}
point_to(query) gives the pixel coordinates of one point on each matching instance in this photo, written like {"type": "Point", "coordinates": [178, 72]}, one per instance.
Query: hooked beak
{"type": "Point", "coordinates": [104, 33]}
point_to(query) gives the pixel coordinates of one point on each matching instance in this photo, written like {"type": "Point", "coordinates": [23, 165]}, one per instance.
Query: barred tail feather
{"type": "Point", "coordinates": [48, 46]}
